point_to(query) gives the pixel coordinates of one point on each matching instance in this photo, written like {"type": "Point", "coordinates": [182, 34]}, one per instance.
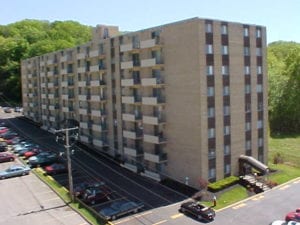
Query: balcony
{"type": "Point", "coordinates": [44, 106]}
{"type": "Point", "coordinates": [94, 53]}
{"type": "Point", "coordinates": [94, 68]}
{"type": "Point", "coordinates": [52, 107]}
{"type": "Point", "coordinates": [81, 70]}
{"type": "Point", "coordinates": [82, 111]}
{"type": "Point", "coordinates": [81, 83]}
{"type": "Point", "coordinates": [152, 175]}
{"type": "Point", "coordinates": [152, 81]}
{"type": "Point", "coordinates": [52, 118]}
{"type": "Point", "coordinates": [130, 117]}
{"type": "Point", "coordinates": [29, 85]}
{"type": "Point", "coordinates": [50, 73]}
{"type": "Point", "coordinates": [44, 117]}
{"type": "Point", "coordinates": [126, 65]}
{"type": "Point", "coordinates": [83, 125]}
{"type": "Point", "coordinates": [126, 47]}
{"type": "Point", "coordinates": [82, 97]}
{"type": "Point", "coordinates": [97, 98]}
{"type": "Point", "coordinates": [50, 85]}
{"type": "Point", "coordinates": [148, 43]}
{"type": "Point", "coordinates": [97, 113]}
{"type": "Point", "coordinates": [81, 55]}
{"type": "Point", "coordinates": [51, 96]}
{"type": "Point", "coordinates": [65, 109]}
{"type": "Point", "coordinates": [42, 74]}
{"type": "Point", "coordinates": [130, 82]}
{"type": "Point", "coordinates": [148, 62]}
{"type": "Point", "coordinates": [65, 96]}
{"type": "Point", "coordinates": [43, 85]}
{"type": "Point", "coordinates": [64, 71]}
{"type": "Point", "coordinates": [43, 95]}
{"type": "Point", "coordinates": [154, 139]}
{"type": "Point", "coordinates": [30, 95]}
{"type": "Point", "coordinates": [152, 100]}
{"type": "Point", "coordinates": [84, 138]}
{"type": "Point", "coordinates": [131, 99]}
{"type": "Point", "coordinates": [42, 63]}
{"type": "Point", "coordinates": [132, 152]}
{"type": "Point", "coordinates": [153, 120]}
{"type": "Point", "coordinates": [98, 143]}
{"type": "Point", "coordinates": [50, 61]}
{"type": "Point", "coordinates": [155, 158]}
{"type": "Point", "coordinates": [99, 128]}
{"type": "Point", "coordinates": [130, 167]}
{"type": "Point", "coordinates": [95, 83]}
{"type": "Point", "coordinates": [132, 134]}
{"type": "Point", "coordinates": [64, 84]}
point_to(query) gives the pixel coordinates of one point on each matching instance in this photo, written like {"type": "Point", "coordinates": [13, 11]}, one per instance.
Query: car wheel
{"type": "Point", "coordinates": [135, 210]}
{"type": "Point", "coordinates": [24, 173]}
{"type": "Point", "coordinates": [11, 159]}
{"type": "Point", "coordinates": [199, 217]}
{"type": "Point", "coordinates": [113, 217]}
{"type": "Point", "coordinates": [2, 178]}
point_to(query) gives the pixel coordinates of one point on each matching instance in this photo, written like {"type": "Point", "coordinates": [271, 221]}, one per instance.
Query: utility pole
{"type": "Point", "coordinates": [68, 154]}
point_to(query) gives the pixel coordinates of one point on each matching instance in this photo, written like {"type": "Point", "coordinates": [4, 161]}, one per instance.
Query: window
{"type": "Point", "coordinates": [258, 33]}
{"type": "Point", "coordinates": [259, 70]}
{"type": "Point", "coordinates": [260, 106]}
{"type": "Point", "coordinates": [247, 126]}
{"type": "Point", "coordinates": [227, 168]}
{"type": "Point", "coordinates": [248, 107]}
{"type": "Point", "coordinates": [211, 132]}
{"type": "Point", "coordinates": [258, 52]}
{"type": "Point", "coordinates": [226, 130]}
{"type": "Point", "coordinates": [225, 70]}
{"type": "Point", "coordinates": [260, 142]}
{"type": "Point", "coordinates": [247, 70]}
{"type": "Point", "coordinates": [224, 29]}
{"type": "Point", "coordinates": [259, 124]}
{"type": "Point", "coordinates": [225, 90]}
{"type": "Point", "coordinates": [212, 153]}
{"type": "Point", "coordinates": [224, 49]}
{"type": "Point", "coordinates": [248, 145]}
{"type": "Point", "coordinates": [211, 112]}
{"type": "Point", "coordinates": [209, 49]}
{"type": "Point", "coordinates": [210, 70]}
{"type": "Point", "coordinates": [246, 51]}
{"type": "Point", "coordinates": [211, 173]}
{"type": "Point", "coordinates": [246, 31]}
{"type": "Point", "coordinates": [226, 110]}
{"type": "Point", "coordinates": [259, 88]}
{"type": "Point", "coordinates": [247, 89]}
{"type": "Point", "coordinates": [210, 91]}
{"type": "Point", "coordinates": [208, 28]}
{"type": "Point", "coordinates": [226, 149]}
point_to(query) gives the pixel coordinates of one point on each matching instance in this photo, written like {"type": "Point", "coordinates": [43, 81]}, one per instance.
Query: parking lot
{"type": "Point", "coordinates": [27, 200]}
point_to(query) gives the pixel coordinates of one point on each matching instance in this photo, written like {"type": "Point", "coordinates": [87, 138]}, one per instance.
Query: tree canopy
{"type": "Point", "coordinates": [29, 38]}
{"type": "Point", "coordinates": [284, 87]}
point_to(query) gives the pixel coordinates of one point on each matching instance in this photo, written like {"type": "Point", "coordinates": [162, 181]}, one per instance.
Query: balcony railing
{"type": "Point", "coordinates": [153, 100]}
{"type": "Point", "coordinates": [154, 139]}
{"type": "Point", "coordinates": [97, 113]}
{"type": "Point", "coordinates": [152, 81]}
{"type": "Point", "coordinates": [153, 120]}
{"type": "Point", "coordinates": [131, 99]}
{"type": "Point", "coordinates": [133, 134]}
{"type": "Point", "coordinates": [162, 157]}
{"type": "Point", "coordinates": [131, 151]}
{"type": "Point", "coordinates": [130, 117]}
{"type": "Point", "coordinates": [130, 82]}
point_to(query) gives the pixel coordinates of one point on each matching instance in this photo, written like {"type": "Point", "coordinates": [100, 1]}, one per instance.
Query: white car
{"type": "Point", "coordinates": [278, 222]}
{"type": "Point", "coordinates": [293, 223]}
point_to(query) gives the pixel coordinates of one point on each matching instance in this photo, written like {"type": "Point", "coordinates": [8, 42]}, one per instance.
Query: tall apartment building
{"type": "Point", "coordinates": [182, 100]}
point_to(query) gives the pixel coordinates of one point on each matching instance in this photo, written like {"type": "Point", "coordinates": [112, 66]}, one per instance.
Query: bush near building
{"type": "Point", "coordinates": [224, 183]}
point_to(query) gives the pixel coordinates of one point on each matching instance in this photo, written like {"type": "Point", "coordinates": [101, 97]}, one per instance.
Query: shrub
{"type": "Point", "coordinates": [224, 183]}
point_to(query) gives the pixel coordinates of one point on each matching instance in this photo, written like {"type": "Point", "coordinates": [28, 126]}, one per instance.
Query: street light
{"type": "Point", "coordinates": [67, 146]}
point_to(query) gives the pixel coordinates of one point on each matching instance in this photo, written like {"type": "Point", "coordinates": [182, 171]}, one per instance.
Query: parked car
{"type": "Point", "coordinates": [293, 223]}
{"type": "Point", "coordinates": [6, 157]}
{"type": "Point", "coordinates": [3, 146]}
{"type": "Point", "coordinates": [15, 140]}
{"type": "Point", "coordinates": [201, 212]}
{"type": "Point", "coordinates": [7, 110]}
{"type": "Point", "coordinates": [120, 208]}
{"type": "Point", "coordinates": [56, 168]}
{"type": "Point", "coordinates": [27, 145]}
{"type": "Point", "coordinates": [79, 189]}
{"type": "Point", "coordinates": [96, 194]}
{"type": "Point", "coordinates": [32, 152]}
{"type": "Point", "coordinates": [18, 109]}
{"type": "Point", "coordinates": [23, 151]}
{"type": "Point", "coordinates": [293, 216]}
{"type": "Point", "coordinates": [9, 135]}
{"type": "Point", "coordinates": [14, 171]}
{"type": "Point", "coordinates": [3, 130]}
{"type": "Point", "coordinates": [43, 159]}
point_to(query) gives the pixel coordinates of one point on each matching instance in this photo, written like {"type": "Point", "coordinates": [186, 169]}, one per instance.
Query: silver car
{"type": "Point", "coordinates": [15, 171]}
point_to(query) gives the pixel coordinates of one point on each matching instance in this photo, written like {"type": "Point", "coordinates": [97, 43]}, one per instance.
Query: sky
{"type": "Point", "coordinates": [281, 17]}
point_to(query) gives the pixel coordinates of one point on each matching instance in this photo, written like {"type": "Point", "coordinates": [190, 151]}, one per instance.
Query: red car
{"type": "Point", "coordinates": [33, 152]}
{"type": "Point", "coordinates": [56, 168]}
{"type": "Point", "coordinates": [3, 130]}
{"type": "Point", "coordinates": [6, 157]}
{"type": "Point", "coordinates": [293, 216]}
